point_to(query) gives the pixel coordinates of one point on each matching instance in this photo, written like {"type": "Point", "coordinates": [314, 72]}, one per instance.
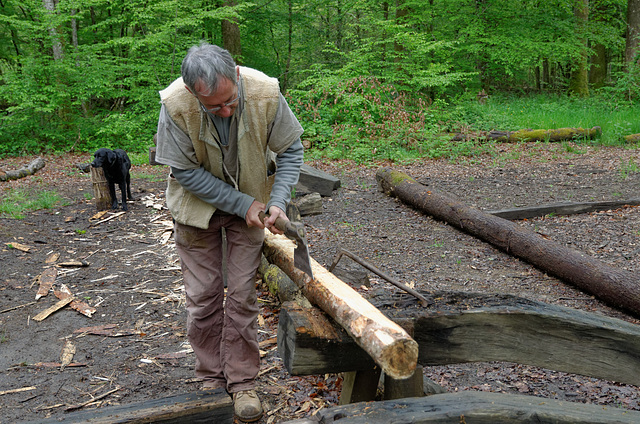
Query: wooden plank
{"type": "Point", "coordinates": [475, 327]}
{"type": "Point", "coordinates": [386, 342]}
{"type": "Point", "coordinates": [562, 209]}
{"type": "Point", "coordinates": [211, 406]}
{"type": "Point", "coordinates": [309, 342]}
{"type": "Point", "coordinates": [472, 407]}
{"type": "Point", "coordinates": [315, 181]}
{"type": "Point", "coordinates": [359, 386]}
{"type": "Point", "coordinates": [407, 387]}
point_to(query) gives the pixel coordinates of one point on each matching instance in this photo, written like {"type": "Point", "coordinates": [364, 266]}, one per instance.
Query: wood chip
{"type": "Point", "coordinates": [77, 305]}
{"type": "Point", "coordinates": [109, 330]}
{"type": "Point", "coordinates": [98, 216]}
{"type": "Point", "coordinates": [23, 389]}
{"type": "Point", "coordinates": [61, 304]}
{"type": "Point", "coordinates": [52, 258]}
{"type": "Point", "coordinates": [46, 279]}
{"type": "Point", "coordinates": [18, 246]}
{"type": "Point", "coordinates": [68, 351]}
{"type": "Point", "coordinates": [74, 263]}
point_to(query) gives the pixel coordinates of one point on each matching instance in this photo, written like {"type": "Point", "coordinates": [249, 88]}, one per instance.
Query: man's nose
{"type": "Point", "coordinates": [225, 112]}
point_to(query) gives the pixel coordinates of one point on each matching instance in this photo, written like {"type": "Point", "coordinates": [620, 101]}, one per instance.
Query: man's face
{"type": "Point", "coordinates": [223, 102]}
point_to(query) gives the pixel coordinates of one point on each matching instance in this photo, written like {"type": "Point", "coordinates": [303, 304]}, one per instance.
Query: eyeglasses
{"type": "Point", "coordinates": [217, 108]}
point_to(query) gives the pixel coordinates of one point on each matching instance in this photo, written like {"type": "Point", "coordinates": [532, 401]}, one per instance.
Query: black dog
{"type": "Point", "coordinates": [116, 166]}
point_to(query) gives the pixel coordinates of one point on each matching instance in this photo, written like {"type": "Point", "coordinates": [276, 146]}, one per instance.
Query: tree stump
{"type": "Point", "coordinates": [100, 189]}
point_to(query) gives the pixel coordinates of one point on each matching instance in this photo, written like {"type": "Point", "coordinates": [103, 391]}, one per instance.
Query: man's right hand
{"type": "Point", "coordinates": [252, 218]}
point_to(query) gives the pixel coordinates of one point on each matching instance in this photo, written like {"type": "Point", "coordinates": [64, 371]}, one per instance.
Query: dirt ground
{"type": "Point", "coordinates": [134, 347]}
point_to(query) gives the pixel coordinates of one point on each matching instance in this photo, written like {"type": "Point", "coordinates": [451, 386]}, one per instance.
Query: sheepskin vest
{"type": "Point", "coordinates": [261, 98]}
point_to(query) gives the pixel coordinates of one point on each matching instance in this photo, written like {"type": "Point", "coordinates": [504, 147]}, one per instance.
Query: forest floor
{"type": "Point", "coordinates": [134, 347]}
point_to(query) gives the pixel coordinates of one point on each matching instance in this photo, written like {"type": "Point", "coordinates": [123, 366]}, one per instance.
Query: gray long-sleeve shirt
{"type": "Point", "coordinates": [176, 150]}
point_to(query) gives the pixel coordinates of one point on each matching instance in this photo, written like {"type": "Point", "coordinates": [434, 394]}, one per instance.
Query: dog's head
{"type": "Point", "coordinates": [103, 157]}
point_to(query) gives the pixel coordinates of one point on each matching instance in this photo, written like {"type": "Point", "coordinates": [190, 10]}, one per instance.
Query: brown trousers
{"type": "Point", "coordinates": [223, 332]}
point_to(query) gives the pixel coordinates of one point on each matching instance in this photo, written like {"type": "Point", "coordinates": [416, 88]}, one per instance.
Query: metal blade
{"type": "Point", "coordinates": [301, 258]}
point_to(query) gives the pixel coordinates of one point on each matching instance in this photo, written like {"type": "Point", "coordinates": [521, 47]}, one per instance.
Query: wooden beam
{"type": "Point", "coordinates": [617, 287]}
{"type": "Point", "coordinates": [315, 181]}
{"type": "Point", "coordinates": [386, 342]}
{"type": "Point", "coordinates": [472, 407]}
{"type": "Point", "coordinates": [211, 406]}
{"type": "Point", "coordinates": [474, 327]}
{"type": "Point", "coordinates": [309, 342]}
{"type": "Point", "coordinates": [562, 209]}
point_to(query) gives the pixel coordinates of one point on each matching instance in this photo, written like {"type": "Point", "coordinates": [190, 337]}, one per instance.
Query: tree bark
{"type": "Point", "coordinates": [385, 341]}
{"type": "Point", "coordinates": [633, 32]}
{"type": "Point", "coordinates": [616, 287]}
{"type": "Point", "coordinates": [231, 36]}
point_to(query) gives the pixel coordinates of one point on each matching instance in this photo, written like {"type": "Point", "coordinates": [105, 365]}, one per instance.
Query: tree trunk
{"type": "Point", "coordinates": [598, 71]}
{"type": "Point", "coordinates": [56, 43]}
{"type": "Point", "coordinates": [385, 341]}
{"type": "Point", "coordinates": [231, 36]}
{"type": "Point", "coordinates": [579, 83]}
{"type": "Point", "coordinates": [617, 287]}
{"type": "Point", "coordinates": [633, 32]}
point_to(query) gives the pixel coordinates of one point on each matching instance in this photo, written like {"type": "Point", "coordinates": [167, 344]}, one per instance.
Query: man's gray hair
{"type": "Point", "coordinates": [207, 62]}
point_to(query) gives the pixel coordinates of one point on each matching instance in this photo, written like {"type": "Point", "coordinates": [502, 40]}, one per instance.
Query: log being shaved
{"type": "Point", "coordinates": [617, 287]}
{"type": "Point", "coordinates": [386, 342]}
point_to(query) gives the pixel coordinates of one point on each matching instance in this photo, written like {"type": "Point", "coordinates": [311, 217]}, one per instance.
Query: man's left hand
{"type": "Point", "coordinates": [274, 213]}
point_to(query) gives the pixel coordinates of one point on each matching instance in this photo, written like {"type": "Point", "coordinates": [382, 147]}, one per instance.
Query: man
{"type": "Point", "coordinates": [219, 127]}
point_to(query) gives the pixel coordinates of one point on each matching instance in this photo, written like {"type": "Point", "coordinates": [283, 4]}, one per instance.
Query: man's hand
{"type": "Point", "coordinates": [275, 213]}
{"type": "Point", "coordinates": [253, 219]}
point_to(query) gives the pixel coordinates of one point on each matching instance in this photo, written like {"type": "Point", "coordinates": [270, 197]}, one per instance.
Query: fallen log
{"type": "Point", "coordinates": [385, 341]}
{"type": "Point", "coordinates": [33, 167]}
{"type": "Point", "coordinates": [529, 135]}
{"type": "Point", "coordinates": [568, 208]}
{"type": "Point", "coordinates": [472, 407]}
{"type": "Point", "coordinates": [616, 287]}
{"type": "Point", "coordinates": [474, 327]}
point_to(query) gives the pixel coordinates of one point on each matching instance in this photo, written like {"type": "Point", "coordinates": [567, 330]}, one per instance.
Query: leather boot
{"type": "Point", "coordinates": [247, 406]}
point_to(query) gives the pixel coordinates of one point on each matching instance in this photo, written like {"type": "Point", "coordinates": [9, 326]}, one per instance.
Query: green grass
{"type": "Point", "coordinates": [426, 132]}
{"type": "Point", "coordinates": [18, 201]}
{"type": "Point", "coordinates": [549, 112]}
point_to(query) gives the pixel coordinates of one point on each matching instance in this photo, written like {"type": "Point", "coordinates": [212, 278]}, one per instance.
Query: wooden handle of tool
{"type": "Point", "coordinates": [280, 223]}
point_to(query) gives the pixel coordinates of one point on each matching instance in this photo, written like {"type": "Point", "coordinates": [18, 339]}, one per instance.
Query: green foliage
{"type": "Point", "coordinates": [368, 79]}
{"type": "Point", "coordinates": [16, 202]}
